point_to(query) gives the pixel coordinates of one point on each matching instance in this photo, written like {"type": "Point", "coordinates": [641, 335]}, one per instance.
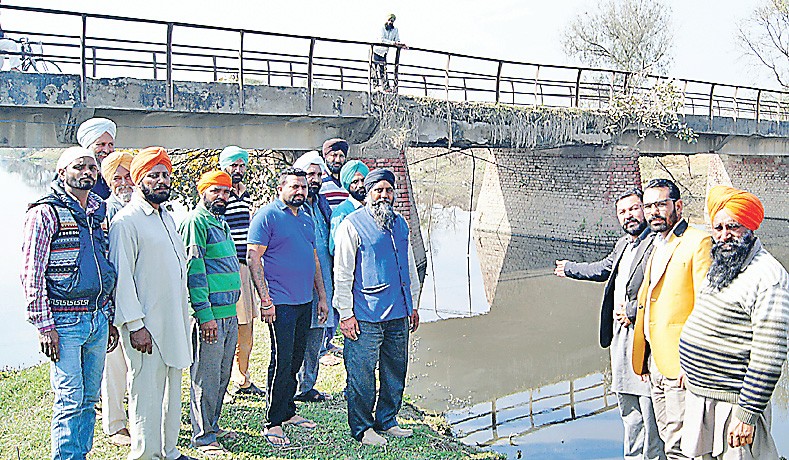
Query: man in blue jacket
{"type": "Point", "coordinates": [377, 294]}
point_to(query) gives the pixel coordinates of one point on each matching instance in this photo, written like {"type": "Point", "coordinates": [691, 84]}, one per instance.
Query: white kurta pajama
{"type": "Point", "coordinates": [151, 292]}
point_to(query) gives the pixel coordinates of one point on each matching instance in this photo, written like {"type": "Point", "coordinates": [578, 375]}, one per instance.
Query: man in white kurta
{"type": "Point", "coordinates": [152, 308]}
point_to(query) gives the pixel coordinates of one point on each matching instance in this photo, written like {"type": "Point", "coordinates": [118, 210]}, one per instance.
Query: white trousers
{"type": "Point", "coordinates": [154, 404]}
{"type": "Point", "coordinates": [113, 389]}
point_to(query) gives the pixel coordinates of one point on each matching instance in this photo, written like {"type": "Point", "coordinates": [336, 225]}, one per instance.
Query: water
{"type": "Point", "coordinates": [520, 370]}
{"type": "Point", "coordinates": [24, 182]}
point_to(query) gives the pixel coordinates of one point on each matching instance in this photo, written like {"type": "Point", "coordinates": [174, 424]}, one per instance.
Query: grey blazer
{"type": "Point", "coordinates": [606, 270]}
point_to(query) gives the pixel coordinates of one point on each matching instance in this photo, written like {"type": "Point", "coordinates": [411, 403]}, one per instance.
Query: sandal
{"type": "Point", "coordinates": [230, 435]}
{"type": "Point", "coordinates": [269, 436]}
{"type": "Point", "coordinates": [303, 423]}
{"type": "Point", "coordinates": [312, 396]}
{"type": "Point", "coordinates": [212, 450]}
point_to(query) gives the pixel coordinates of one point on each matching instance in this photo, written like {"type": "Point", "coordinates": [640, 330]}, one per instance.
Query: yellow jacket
{"type": "Point", "coordinates": [672, 296]}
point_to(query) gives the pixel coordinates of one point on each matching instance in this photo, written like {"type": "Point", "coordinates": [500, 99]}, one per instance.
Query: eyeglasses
{"type": "Point", "coordinates": [662, 204]}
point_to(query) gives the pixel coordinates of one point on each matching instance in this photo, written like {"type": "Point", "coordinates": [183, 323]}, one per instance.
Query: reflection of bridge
{"type": "Point", "coordinates": [533, 410]}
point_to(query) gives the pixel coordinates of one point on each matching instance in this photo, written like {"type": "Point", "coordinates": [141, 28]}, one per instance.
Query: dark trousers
{"type": "Point", "coordinates": [384, 344]}
{"type": "Point", "coordinates": [380, 77]}
{"type": "Point", "coordinates": [288, 341]}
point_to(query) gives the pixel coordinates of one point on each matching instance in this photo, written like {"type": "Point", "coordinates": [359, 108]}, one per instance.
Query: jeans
{"type": "Point", "coordinates": [210, 373]}
{"type": "Point", "coordinates": [380, 77]}
{"type": "Point", "coordinates": [383, 344]}
{"type": "Point", "coordinates": [288, 341]}
{"type": "Point", "coordinates": [76, 381]}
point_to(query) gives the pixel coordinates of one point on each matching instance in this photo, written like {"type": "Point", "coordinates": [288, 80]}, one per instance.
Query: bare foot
{"type": "Point", "coordinates": [300, 422]}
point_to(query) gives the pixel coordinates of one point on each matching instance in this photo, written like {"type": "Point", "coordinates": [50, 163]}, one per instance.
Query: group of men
{"type": "Point", "coordinates": [125, 299]}
{"type": "Point", "coordinates": [697, 326]}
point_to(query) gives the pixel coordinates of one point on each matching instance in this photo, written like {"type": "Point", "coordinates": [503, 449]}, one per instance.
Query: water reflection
{"type": "Point", "coordinates": [25, 182]}
{"type": "Point", "coordinates": [528, 377]}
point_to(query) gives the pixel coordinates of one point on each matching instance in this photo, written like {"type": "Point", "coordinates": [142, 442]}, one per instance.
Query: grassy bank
{"type": "Point", "coordinates": [26, 408]}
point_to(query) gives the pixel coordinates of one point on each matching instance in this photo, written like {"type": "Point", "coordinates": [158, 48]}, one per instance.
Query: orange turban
{"type": "Point", "coordinates": [144, 161]}
{"type": "Point", "coordinates": [109, 166]}
{"type": "Point", "coordinates": [744, 207]}
{"type": "Point", "coordinates": [213, 178]}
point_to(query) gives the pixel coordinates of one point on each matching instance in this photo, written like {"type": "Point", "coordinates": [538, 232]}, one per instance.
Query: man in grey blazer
{"type": "Point", "coordinates": [623, 269]}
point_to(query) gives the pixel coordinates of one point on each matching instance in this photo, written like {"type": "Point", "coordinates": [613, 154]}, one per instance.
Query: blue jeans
{"type": "Point", "coordinates": [383, 344]}
{"type": "Point", "coordinates": [76, 381]}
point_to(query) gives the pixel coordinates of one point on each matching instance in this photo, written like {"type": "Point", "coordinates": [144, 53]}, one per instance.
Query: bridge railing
{"type": "Point", "coordinates": [95, 45]}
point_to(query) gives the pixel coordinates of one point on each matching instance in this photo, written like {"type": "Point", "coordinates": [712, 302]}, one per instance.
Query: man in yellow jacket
{"type": "Point", "coordinates": [673, 276]}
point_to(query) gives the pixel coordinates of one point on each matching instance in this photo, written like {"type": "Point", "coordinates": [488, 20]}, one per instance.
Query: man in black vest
{"type": "Point", "coordinates": [68, 280]}
{"type": "Point", "coordinates": [623, 270]}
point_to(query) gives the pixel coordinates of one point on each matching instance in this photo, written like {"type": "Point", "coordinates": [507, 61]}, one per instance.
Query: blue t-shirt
{"type": "Point", "coordinates": [289, 260]}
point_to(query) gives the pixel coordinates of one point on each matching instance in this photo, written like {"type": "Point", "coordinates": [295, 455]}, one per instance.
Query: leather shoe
{"type": "Point", "coordinates": [121, 438]}
{"type": "Point", "coordinates": [371, 438]}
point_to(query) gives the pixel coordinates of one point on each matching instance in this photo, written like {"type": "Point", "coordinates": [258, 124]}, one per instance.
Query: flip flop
{"type": "Point", "coordinates": [268, 437]}
{"type": "Point", "coordinates": [301, 424]}
{"type": "Point", "coordinates": [312, 396]}
{"type": "Point", "coordinates": [230, 435]}
{"type": "Point", "coordinates": [211, 450]}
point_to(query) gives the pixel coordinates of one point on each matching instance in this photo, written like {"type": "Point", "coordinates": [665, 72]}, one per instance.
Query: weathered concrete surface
{"type": "Point", "coordinates": [44, 111]}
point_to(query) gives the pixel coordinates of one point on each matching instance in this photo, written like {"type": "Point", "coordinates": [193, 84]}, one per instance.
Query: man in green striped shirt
{"type": "Point", "coordinates": [214, 286]}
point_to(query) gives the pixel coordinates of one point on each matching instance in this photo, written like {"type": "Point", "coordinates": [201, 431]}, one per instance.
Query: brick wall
{"type": "Point", "coordinates": [559, 194]}
{"type": "Point", "coordinates": [767, 177]}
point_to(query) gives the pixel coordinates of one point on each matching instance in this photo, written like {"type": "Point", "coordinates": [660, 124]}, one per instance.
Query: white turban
{"type": "Point", "coordinates": [93, 129]}
{"type": "Point", "coordinates": [72, 154]}
{"type": "Point", "coordinates": [310, 158]}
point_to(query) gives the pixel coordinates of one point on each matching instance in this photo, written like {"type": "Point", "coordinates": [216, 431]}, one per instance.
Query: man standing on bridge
{"type": "Point", "coordinates": [98, 136]}
{"type": "Point", "coordinates": [673, 276]}
{"type": "Point", "coordinates": [389, 36]}
{"type": "Point", "coordinates": [623, 270]}
{"type": "Point", "coordinates": [377, 294]}
{"type": "Point", "coordinates": [734, 343]}
{"type": "Point", "coordinates": [68, 281]}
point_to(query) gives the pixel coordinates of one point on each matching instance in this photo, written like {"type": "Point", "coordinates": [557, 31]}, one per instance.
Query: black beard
{"type": "Point", "coordinates": [312, 190]}
{"type": "Point", "coordinates": [155, 197]}
{"type": "Point", "coordinates": [358, 195]}
{"type": "Point", "coordinates": [637, 230]}
{"type": "Point", "coordinates": [236, 178]}
{"type": "Point", "coordinates": [728, 263]}
{"type": "Point", "coordinates": [83, 183]}
{"type": "Point", "coordinates": [333, 168]}
{"type": "Point", "coordinates": [668, 223]}
{"type": "Point", "coordinates": [294, 201]}
{"type": "Point", "coordinates": [216, 207]}
{"type": "Point", "coordinates": [389, 26]}
{"type": "Point", "coordinates": [383, 214]}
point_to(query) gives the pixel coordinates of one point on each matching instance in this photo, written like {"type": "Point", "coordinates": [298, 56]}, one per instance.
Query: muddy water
{"type": "Point", "coordinates": [519, 368]}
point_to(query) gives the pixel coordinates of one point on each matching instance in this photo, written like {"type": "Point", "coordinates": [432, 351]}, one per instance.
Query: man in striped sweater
{"type": "Point", "coordinates": [734, 343]}
{"type": "Point", "coordinates": [214, 288]}
{"type": "Point", "coordinates": [335, 153]}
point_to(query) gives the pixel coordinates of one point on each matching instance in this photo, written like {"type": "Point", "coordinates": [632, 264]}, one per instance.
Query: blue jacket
{"type": "Point", "coordinates": [381, 282]}
{"type": "Point", "coordinates": [79, 275]}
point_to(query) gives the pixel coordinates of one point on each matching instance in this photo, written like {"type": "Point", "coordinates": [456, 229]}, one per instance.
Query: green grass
{"type": "Point", "coordinates": [26, 408]}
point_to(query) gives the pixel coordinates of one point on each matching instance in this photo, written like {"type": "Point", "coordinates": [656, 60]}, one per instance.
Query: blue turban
{"type": "Point", "coordinates": [377, 175]}
{"type": "Point", "coordinates": [349, 170]}
{"type": "Point", "coordinates": [230, 154]}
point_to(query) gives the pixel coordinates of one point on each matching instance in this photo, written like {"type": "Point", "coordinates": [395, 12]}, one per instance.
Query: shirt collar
{"type": "Point", "coordinates": [140, 201]}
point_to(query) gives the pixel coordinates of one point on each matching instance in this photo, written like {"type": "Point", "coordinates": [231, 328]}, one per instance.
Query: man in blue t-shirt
{"type": "Point", "coordinates": [282, 238]}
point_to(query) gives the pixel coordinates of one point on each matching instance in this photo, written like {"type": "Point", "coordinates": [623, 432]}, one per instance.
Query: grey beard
{"type": "Point", "coordinates": [383, 214]}
{"type": "Point", "coordinates": [726, 265]}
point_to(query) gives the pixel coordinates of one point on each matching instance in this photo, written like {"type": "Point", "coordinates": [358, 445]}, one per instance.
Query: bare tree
{"type": "Point", "coordinates": [765, 37]}
{"type": "Point", "coordinates": [629, 35]}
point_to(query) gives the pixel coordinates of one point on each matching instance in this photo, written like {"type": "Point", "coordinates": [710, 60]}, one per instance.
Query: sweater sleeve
{"type": "Point", "coordinates": [770, 322]}
{"type": "Point", "coordinates": [193, 232]}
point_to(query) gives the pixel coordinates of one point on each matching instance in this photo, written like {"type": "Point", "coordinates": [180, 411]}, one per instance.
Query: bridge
{"type": "Point", "coordinates": [183, 85]}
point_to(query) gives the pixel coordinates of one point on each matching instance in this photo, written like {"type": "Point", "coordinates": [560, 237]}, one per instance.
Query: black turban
{"type": "Point", "coordinates": [377, 175]}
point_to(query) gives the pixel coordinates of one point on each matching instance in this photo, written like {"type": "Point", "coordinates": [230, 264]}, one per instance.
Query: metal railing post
{"type": "Point", "coordinates": [465, 90]}
{"type": "Point", "coordinates": [241, 69]}
{"type": "Point", "coordinates": [155, 67]}
{"type": "Point", "coordinates": [424, 81]}
{"type": "Point", "coordinates": [712, 91]}
{"type": "Point", "coordinates": [537, 85]}
{"type": "Point", "coordinates": [169, 66]}
{"type": "Point", "coordinates": [291, 73]}
{"type": "Point", "coordinates": [578, 89]}
{"type": "Point", "coordinates": [268, 71]}
{"type": "Point", "coordinates": [397, 69]}
{"type": "Point", "coordinates": [758, 109]}
{"type": "Point", "coordinates": [93, 53]}
{"type": "Point", "coordinates": [498, 82]}
{"type": "Point", "coordinates": [82, 63]}
{"type": "Point", "coordinates": [342, 79]}
{"type": "Point", "coordinates": [216, 74]}
{"type": "Point", "coordinates": [310, 74]}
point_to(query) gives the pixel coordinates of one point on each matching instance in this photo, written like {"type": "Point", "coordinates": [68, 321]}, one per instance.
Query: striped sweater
{"type": "Point", "coordinates": [213, 279]}
{"type": "Point", "coordinates": [734, 343]}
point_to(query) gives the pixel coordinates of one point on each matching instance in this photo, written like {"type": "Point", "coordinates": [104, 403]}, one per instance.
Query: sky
{"type": "Point", "coordinates": [705, 46]}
